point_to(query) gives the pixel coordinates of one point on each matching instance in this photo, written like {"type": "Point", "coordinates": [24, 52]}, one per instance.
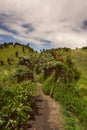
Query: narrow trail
{"type": "Point", "coordinates": [46, 113]}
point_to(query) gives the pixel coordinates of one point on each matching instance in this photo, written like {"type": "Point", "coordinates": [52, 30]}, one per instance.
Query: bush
{"type": "Point", "coordinates": [60, 83]}
{"type": "Point", "coordinates": [15, 104]}
{"type": "Point", "coordinates": [23, 73]}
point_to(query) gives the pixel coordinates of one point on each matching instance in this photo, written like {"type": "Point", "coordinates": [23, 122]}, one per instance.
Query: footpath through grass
{"type": "Point", "coordinates": [63, 74]}
{"type": "Point", "coordinates": [59, 78]}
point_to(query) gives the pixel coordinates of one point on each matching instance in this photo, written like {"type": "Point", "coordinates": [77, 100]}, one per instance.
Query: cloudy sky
{"type": "Point", "coordinates": [44, 23]}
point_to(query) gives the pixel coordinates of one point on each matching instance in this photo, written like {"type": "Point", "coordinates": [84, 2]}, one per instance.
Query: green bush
{"type": "Point", "coordinates": [15, 104]}
{"type": "Point", "coordinates": [23, 73]}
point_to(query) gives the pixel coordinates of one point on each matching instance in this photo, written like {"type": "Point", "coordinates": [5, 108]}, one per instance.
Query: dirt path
{"type": "Point", "coordinates": [46, 114]}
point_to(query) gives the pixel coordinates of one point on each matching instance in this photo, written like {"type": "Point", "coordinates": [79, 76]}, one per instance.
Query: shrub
{"type": "Point", "coordinates": [15, 104]}
{"type": "Point", "coordinates": [23, 73]}
{"type": "Point", "coordinates": [16, 53]}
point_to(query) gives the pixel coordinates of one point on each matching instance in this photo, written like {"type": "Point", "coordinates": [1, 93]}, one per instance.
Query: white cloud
{"type": "Point", "coordinates": [57, 21]}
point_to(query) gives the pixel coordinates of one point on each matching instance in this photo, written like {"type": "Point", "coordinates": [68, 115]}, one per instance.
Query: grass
{"type": "Point", "coordinates": [10, 53]}
{"type": "Point", "coordinates": [59, 91]}
{"type": "Point", "coordinates": [5, 53]}
{"type": "Point", "coordinates": [79, 57]}
{"type": "Point", "coordinates": [70, 95]}
{"type": "Point", "coordinates": [70, 121]}
{"type": "Point", "coordinates": [16, 98]}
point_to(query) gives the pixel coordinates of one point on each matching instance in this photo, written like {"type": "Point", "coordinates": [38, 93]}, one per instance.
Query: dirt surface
{"type": "Point", "coordinates": [46, 113]}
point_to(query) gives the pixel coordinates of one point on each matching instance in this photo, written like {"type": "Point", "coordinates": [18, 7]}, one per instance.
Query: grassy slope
{"type": "Point", "coordinates": [79, 57]}
{"type": "Point", "coordinates": [15, 107]}
{"type": "Point", "coordinates": [10, 53]}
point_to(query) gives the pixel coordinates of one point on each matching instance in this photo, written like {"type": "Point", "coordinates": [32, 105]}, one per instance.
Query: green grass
{"type": "Point", "coordinates": [5, 53]}
{"type": "Point", "coordinates": [10, 53]}
{"type": "Point", "coordinates": [70, 94]}
{"type": "Point", "coordinates": [79, 57]}
{"type": "Point", "coordinates": [70, 121]}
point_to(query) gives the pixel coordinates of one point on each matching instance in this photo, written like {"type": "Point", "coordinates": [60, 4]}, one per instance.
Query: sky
{"type": "Point", "coordinates": [44, 24]}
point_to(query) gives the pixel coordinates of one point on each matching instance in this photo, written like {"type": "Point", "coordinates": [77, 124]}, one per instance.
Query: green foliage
{"type": "Point", "coordinates": [60, 83]}
{"type": "Point", "coordinates": [70, 122]}
{"type": "Point", "coordinates": [23, 73]}
{"type": "Point", "coordinates": [13, 51]}
{"type": "Point", "coordinates": [17, 90]}
{"type": "Point", "coordinates": [67, 95]}
{"type": "Point", "coordinates": [48, 85]}
{"type": "Point", "coordinates": [79, 58]}
{"type": "Point", "coordinates": [15, 104]}
{"type": "Point", "coordinates": [58, 72]}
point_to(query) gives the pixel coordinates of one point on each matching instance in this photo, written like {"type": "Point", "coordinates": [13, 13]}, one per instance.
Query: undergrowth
{"type": "Point", "coordinates": [72, 104]}
{"type": "Point", "coordinates": [64, 90]}
{"type": "Point", "coordinates": [15, 103]}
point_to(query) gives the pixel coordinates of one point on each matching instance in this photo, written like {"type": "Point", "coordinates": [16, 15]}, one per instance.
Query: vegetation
{"type": "Point", "coordinates": [13, 51]}
{"type": "Point", "coordinates": [15, 104]}
{"type": "Point", "coordinates": [17, 88]}
{"type": "Point", "coordinates": [62, 72]}
{"type": "Point", "coordinates": [60, 80]}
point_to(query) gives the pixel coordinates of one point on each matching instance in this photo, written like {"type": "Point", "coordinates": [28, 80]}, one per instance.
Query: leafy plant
{"type": "Point", "coordinates": [15, 104]}
{"type": "Point", "coordinates": [23, 73]}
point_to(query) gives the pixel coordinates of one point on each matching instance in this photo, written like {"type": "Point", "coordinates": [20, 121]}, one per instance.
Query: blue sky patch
{"type": "Point", "coordinates": [8, 38]}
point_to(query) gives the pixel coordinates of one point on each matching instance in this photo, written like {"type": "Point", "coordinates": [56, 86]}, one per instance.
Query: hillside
{"type": "Point", "coordinates": [13, 51]}
{"type": "Point", "coordinates": [17, 88]}
{"type": "Point", "coordinates": [61, 74]}
{"type": "Point", "coordinates": [62, 78]}
{"type": "Point", "coordinates": [9, 56]}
